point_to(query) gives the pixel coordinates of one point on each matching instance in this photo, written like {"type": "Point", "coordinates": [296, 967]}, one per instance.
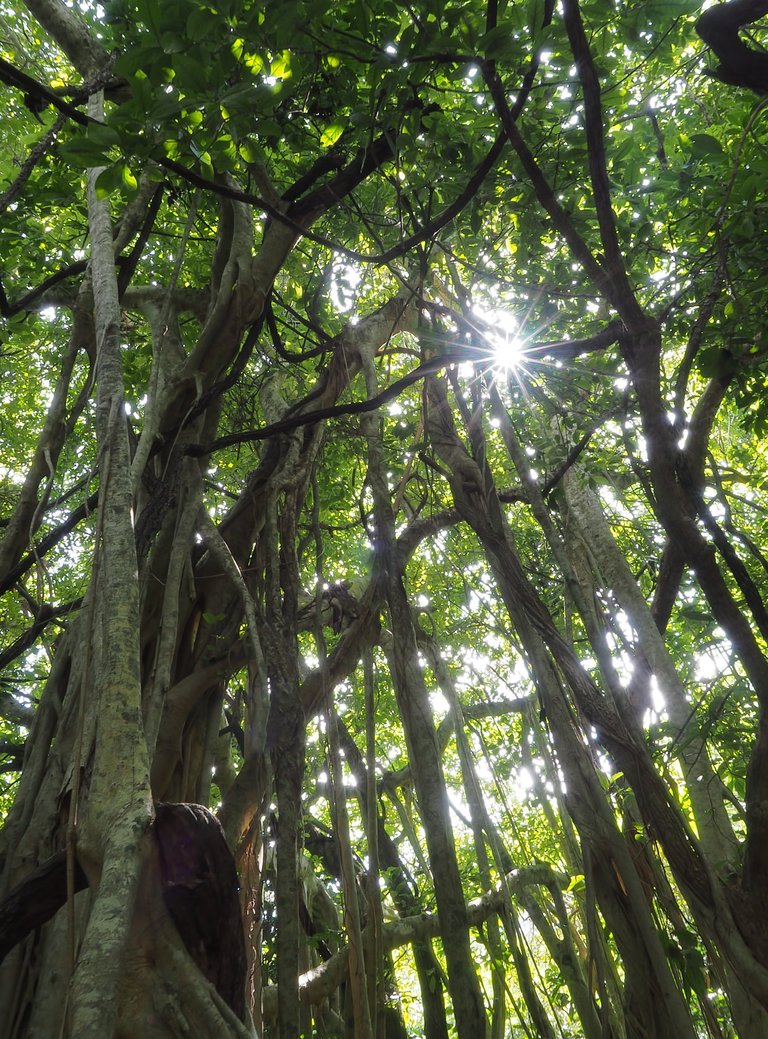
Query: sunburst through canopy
{"type": "Point", "coordinates": [501, 332]}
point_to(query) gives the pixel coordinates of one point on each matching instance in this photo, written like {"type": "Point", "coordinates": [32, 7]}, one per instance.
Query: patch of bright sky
{"type": "Point", "coordinates": [393, 754]}
{"type": "Point", "coordinates": [481, 668]}
{"type": "Point", "coordinates": [459, 808]}
{"type": "Point", "coordinates": [344, 281]}
{"type": "Point", "coordinates": [623, 664]}
{"type": "Point", "coordinates": [713, 661]}
{"type": "Point", "coordinates": [716, 508]}
{"type": "Point", "coordinates": [523, 780]}
{"type": "Point", "coordinates": [440, 705]}
{"type": "Point", "coordinates": [656, 712]}
{"type": "Point", "coordinates": [614, 503]}
{"type": "Point", "coordinates": [13, 476]}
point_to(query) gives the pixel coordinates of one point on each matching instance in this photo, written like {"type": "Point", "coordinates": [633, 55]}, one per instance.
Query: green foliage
{"type": "Point", "coordinates": [365, 123]}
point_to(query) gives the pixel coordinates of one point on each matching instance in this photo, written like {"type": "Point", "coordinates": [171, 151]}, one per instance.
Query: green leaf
{"type": "Point", "coordinates": [705, 144]}
{"type": "Point", "coordinates": [109, 180]}
{"type": "Point", "coordinates": [83, 153]}
{"type": "Point", "coordinates": [254, 63]}
{"type": "Point", "coordinates": [243, 94]}
{"type": "Point", "coordinates": [535, 16]}
{"type": "Point", "coordinates": [498, 43]}
{"type": "Point", "coordinates": [130, 183]}
{"type": "Point", "coordinates": [331, 134]}
{"type": "Point", "coordinates": [250, 151]}
{"type": "Point", "coordinates": [102, 135]}
{"type": "Point", "coordinates": [280, 67]}
{"type": "Point", "coordinates": [202, 24]}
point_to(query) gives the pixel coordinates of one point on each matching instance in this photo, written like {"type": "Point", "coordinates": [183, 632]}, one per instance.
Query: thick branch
{"type": "Point", "coordinates": [740, 65]}
{"type": "Point", "coordinates": [71, 33]}
{"type": "Point", "coordinates": [35, 900]}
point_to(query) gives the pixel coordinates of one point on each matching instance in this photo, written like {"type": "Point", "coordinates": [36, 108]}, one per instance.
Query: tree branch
{"type": "Point", "coordinates": [35, 900]}
{"type": "Point", "coordinates": [71, 33]}
{"type": "Point", "coordinates": [598, 171]}
{"type": "Point", "coordinates": [319, 983]}
{"type": "Point", "coordinates": [740, 65]}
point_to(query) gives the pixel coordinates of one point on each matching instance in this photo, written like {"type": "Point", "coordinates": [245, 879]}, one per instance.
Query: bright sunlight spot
{"type": "Point", "coordinates": [508, 352]}
{"type": "Point", "coordinates": [502, 332]}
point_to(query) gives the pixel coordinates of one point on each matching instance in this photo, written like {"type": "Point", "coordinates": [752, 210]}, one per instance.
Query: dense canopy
{"type": "Point", "coordinates": [383, 519]}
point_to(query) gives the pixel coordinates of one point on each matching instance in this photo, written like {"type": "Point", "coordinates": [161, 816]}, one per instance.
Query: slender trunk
{"type": "Point", "coordinates": [416, 715]}
{"type": "Point", "coordinates": [615, 881]}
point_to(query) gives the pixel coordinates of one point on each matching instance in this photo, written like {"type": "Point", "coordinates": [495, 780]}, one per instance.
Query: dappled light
{"type": "Point", "coordinates": [383, 520]}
